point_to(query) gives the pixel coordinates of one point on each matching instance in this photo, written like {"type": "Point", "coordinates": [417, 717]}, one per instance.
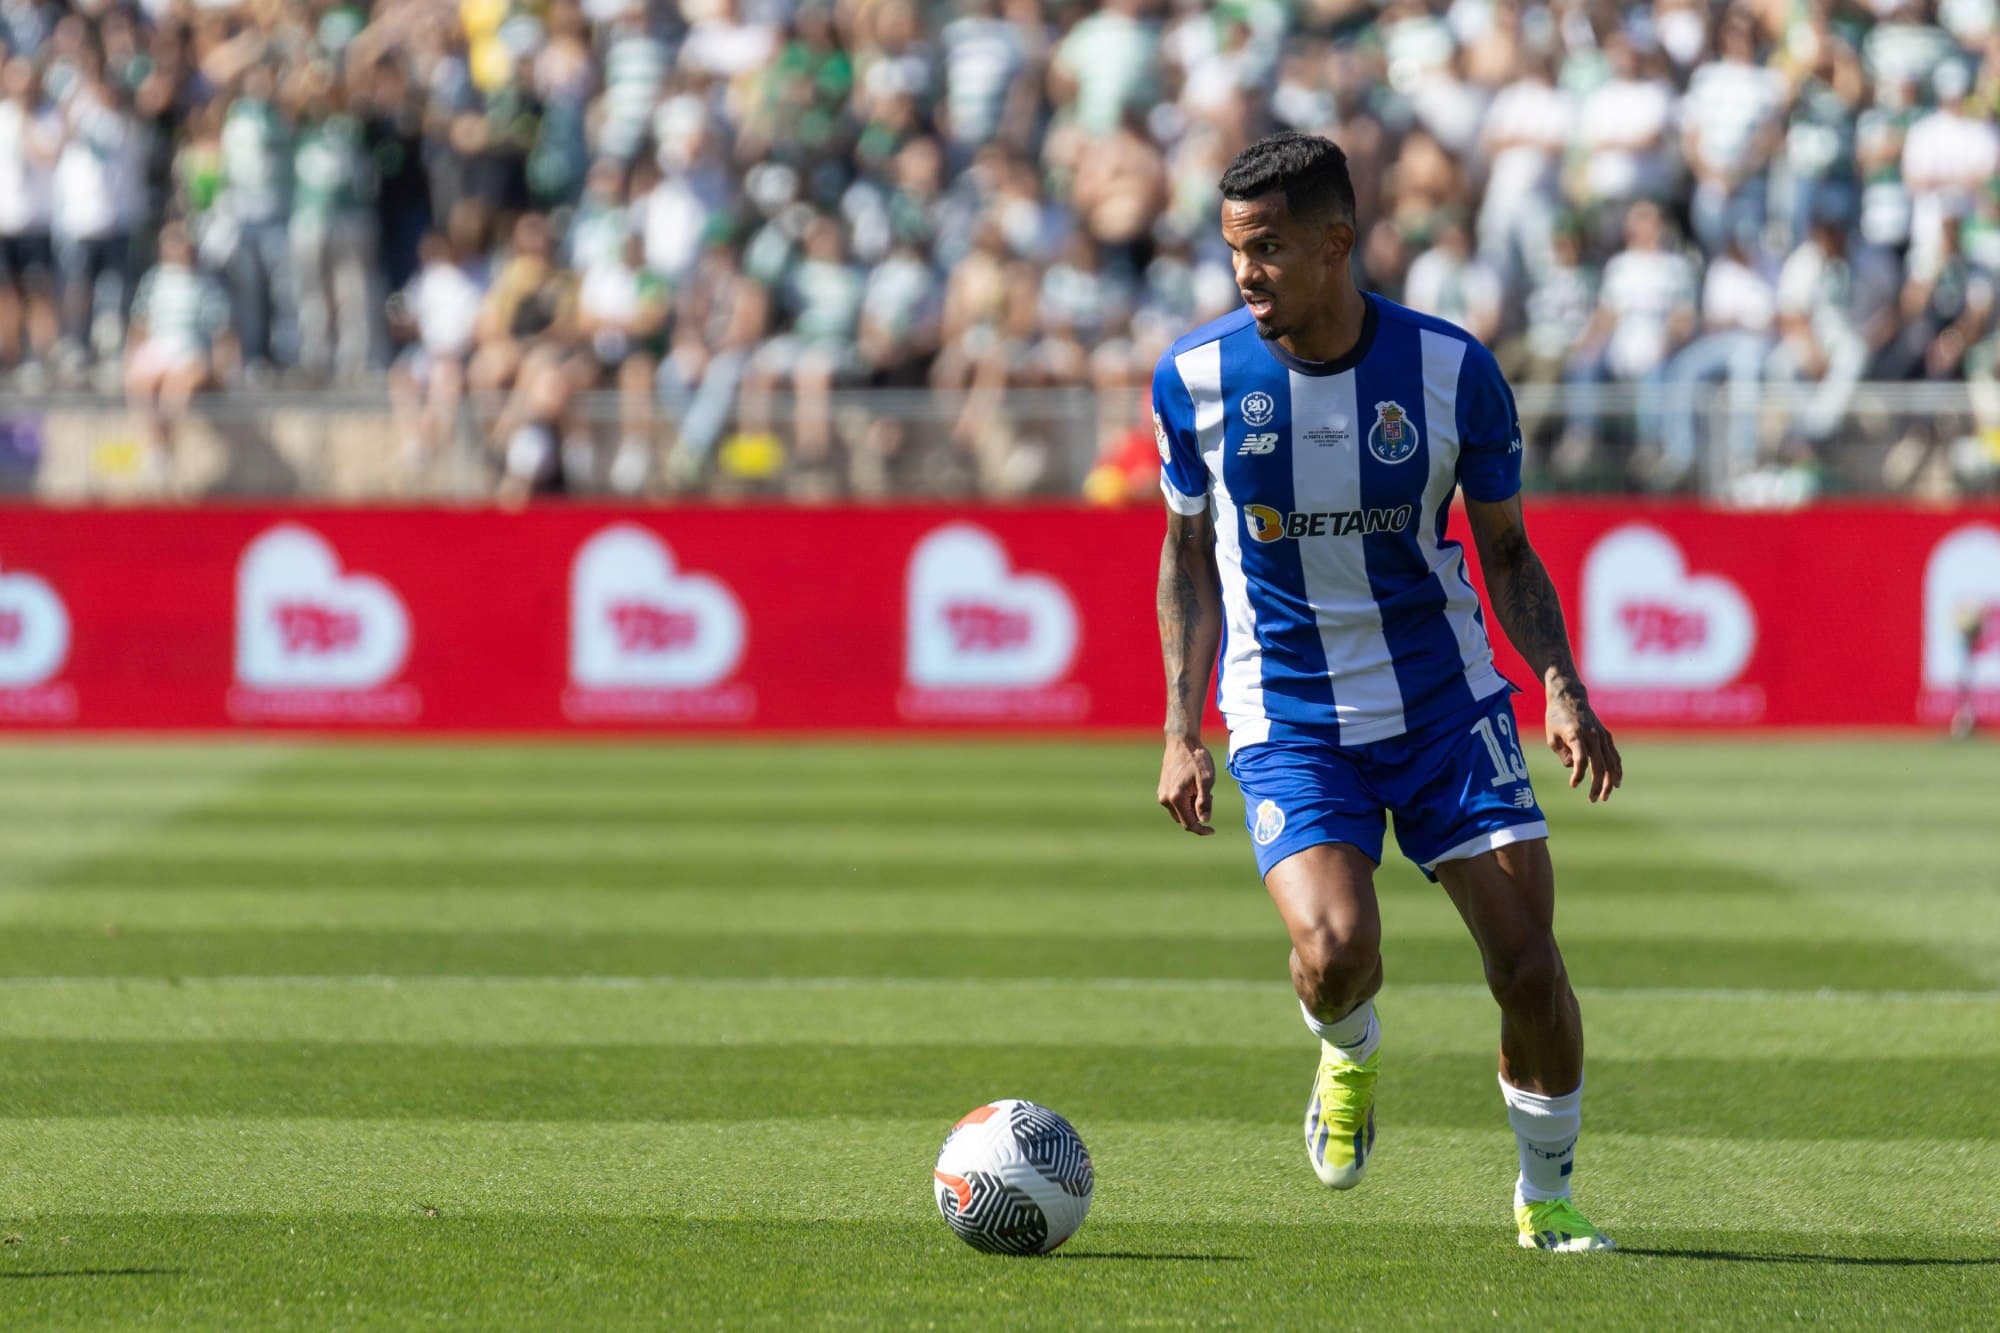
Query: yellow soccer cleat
{"type": "Point", "coordinates": [1556, 1225]}
{"type": "Point", "coordinates": [1340, 1120]}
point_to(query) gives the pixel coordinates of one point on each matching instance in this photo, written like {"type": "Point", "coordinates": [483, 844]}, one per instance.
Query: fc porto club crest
{"type": "Point", "coordinates": [1160, 438]}
{"type": "Point", "coordinates": [1257, 408]}
{"type": "Point", "coordinates": [1270, 823]}
{"type": "Point", "coordinates": [1393, 437]}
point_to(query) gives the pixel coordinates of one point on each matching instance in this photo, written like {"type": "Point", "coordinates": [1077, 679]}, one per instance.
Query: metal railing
{"type": "Point", "coordinates": [1771, 444]}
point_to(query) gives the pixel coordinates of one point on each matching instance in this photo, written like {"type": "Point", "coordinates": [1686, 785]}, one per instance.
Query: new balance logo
{"type": "Point", "coordinates": [1524, 799]}
{"type": "Point", "coordinates": [1259, 442]}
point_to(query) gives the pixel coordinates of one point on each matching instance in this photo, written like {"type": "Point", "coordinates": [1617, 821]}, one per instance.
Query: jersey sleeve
{"type": "Point", "coordinates": [1183, 479]}
{"type": "Point", "coordinates": [1489, 430]}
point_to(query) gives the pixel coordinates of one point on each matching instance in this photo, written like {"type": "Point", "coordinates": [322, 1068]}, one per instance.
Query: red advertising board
{"type": "Point", "coordinates": [722, 619]}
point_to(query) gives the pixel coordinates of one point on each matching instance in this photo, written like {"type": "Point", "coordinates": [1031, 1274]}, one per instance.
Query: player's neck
{"type": "Point", "coordinates": [1335, 333]}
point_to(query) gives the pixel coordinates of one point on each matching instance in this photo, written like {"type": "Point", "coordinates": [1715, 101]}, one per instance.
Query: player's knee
{"type": "Point", "coordinates": [1527, 976]}
{"type": "Point", "coordinates": [1332, 964]}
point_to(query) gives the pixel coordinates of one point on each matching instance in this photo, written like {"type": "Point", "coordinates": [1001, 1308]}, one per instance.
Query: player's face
{"type": "Point", "coordinates": [1286, 267]}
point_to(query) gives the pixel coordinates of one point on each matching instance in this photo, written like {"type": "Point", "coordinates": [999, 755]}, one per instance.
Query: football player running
{"type": "Point", "coordinates": [1311, 442]}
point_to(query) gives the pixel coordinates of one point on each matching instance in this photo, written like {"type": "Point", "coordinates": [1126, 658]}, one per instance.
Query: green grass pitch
{"type": "Point", "coordinates": [668, 1035]}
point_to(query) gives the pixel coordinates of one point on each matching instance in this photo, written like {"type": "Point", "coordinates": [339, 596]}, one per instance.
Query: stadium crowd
{"type": "Point", "coordinates": [726, 209]}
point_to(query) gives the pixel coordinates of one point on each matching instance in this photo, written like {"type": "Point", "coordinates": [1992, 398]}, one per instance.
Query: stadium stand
{"type": "Point", "coordinates": [874, 247]}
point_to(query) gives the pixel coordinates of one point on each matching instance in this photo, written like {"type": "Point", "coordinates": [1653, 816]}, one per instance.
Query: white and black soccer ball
{"type": "Point", "coordinates": [1013, 1178]}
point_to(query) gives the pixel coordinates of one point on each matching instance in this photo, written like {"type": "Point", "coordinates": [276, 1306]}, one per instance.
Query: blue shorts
{"type": "Point", "coordinates": [1457, 787]}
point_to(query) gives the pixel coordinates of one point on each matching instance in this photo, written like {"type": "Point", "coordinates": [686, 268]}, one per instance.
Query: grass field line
{"type": "Point", "coordinates": [984, 984]}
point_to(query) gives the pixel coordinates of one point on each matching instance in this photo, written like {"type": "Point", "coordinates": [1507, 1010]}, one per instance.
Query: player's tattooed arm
{"type": "Point", "coordinates": [1189, 601]}
{"type": "Point", "coordinates": [1524, 599]}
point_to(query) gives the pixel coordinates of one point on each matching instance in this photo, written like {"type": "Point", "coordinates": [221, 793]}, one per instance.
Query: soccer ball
{"type": "Point", "coordinates": [1013, 1178]}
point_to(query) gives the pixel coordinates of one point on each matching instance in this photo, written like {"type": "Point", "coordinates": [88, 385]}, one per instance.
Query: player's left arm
{"type": "Point", "coordinates": [1525, 601]}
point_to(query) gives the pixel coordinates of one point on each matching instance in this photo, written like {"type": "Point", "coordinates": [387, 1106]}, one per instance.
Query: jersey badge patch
{"type": "Point", "coordinates": [1160, 438]}
{"type": "Point", "coordinates": [1393, 437]}
{"type": "Point", "coordinates": [1270, 823]}
{"type": "Point", "coordinates": [1257, 408]}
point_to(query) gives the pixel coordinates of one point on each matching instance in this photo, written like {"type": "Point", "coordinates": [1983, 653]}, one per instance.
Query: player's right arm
{"type": "Point", "coordinates": [1189, 600]}
{"type": "Point", "coordinates": [1190, 607]}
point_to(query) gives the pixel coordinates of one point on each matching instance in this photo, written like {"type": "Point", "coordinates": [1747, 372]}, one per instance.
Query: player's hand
{"type": "Point", "coordinates": [1584, 744]}
{"type": "Point", "coordinates": [1187, 784]}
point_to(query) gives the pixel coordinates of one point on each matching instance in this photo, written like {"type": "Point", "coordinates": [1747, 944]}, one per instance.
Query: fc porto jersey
{"type": "Point", "coordinates": [1346, 612]}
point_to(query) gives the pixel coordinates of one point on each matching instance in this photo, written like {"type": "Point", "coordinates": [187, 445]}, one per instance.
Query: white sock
{"type": "Point", "coordinates": [1545, 1130]}
{"type": "Point", "coordinates": [1355, 1032]}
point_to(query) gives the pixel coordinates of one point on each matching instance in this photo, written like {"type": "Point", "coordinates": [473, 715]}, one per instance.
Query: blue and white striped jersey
{"type": "Point", "coordinates": [1346, 612]}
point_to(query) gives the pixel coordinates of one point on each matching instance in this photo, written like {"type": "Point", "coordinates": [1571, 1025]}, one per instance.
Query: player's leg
{"type": "Point", "coordinates": [1326, 896]}
{"type": "Point", "coordinates": [1507, 898]}
{"type": "Point", "coordinates": [1318, 838]}
{"type": "Point", "coordinates": [1466, 813]}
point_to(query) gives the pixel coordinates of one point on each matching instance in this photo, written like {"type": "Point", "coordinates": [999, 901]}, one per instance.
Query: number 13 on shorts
{"type": "Point", "coordinates": [1502, 748]}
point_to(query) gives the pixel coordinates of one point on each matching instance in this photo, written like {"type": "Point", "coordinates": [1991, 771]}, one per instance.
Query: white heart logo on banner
{"type": "Point", "coordinates": [301, 624]}
{"type": "Point", "coordinates": [637, 623]}
{"type": "Point", "coordinates": [34, 631]}
{"type": "Point", "coordinates": [974, 623]}
{"type": "Point", "coordinates": [1650, 624]}
{"type": "Point", "coordinates": [1961, 582]}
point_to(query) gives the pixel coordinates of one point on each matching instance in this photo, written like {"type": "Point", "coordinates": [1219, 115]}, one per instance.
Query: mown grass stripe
{"type": "Point", "coordinates": [1220, 869]}
{"type": "Point", "coordinates": [843, 1011]}
{"type": "Point", "coordinates": [193, 1270]}
{"type": "Point", "coordinates": [1938, 1097]}
{"type": "Point", "coordinates": [1656, 960]}
{"type": "Point", "coordinates": [881, 1169]}
{"type": "Point", "coordinates": [1165, 985]}
{"type": "Point", "coordinates": [1237, 911]}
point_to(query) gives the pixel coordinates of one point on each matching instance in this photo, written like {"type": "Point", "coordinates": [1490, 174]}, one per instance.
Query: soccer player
{"type": "Point", "coordinates": [1312, 441]}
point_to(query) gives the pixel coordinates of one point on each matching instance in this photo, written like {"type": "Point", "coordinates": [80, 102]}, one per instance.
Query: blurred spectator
{"type": "Point", "coordinates": [822, 294]}
{"type": "Point", "coordinates": [1880, 133]}
{"type": "Point", "coordinates": [1819, 155]}
{"type": "Point", "coordinates": [984, 55]}
{"type": "Point", "coordinates": [899, 318]}
{"type": "Point", "coordinates": [1645, 312]}
{"type": "Point", "coordinates": [525, 323]}
{"type": "Point", "coordinates": [1077, 302]}
{"type": "Point", "coordinates": [1105, 66]}
{"type": "Point", "coordinates": [672, 209]}
{"type": "Point", "coordinates": [1623, 129]}
{"type": "Point", "coordinates": [94, 195]}
{"type": "Point", "coordinates": [1449, 282]}
{"type": "Point", "coordinates": [1738, 313]}
{"type": "Point", "coordinates": [251, 227]}
{"type": "Point", "coordinates": [30, 141]}
{"type": "Point", "coordinates": [720, 315]}
{"type": "Point", "coordinates": [1836, 309]}
{"type": "Point", "coordinates": [441, 308]}
{"type": "Point", "coordinates": [1526, 133]}
{"type": "Point", "coordinates": [622, 313]}
{"type": "Point", "coordinates": [1127, 470]}
{"type": "Point", "coordinates": [1119, 191]}
{"type": "Point", "coordinates": [1949, 157]}
{"type": "Point", "coordinates": [1733, 126]}
{"type": "Point", "coordinates": [1943, 314]}
{"type": "Point", "coordinates": [177, 315]}
{"type": "Point", "coordinates": [989, 309]}
{"type": "Point", "coordinates": [1560, 309]}
{"type": "Point", "coordinates": [334, 254]}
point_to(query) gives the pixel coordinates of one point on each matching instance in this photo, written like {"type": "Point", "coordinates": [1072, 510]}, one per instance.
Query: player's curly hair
{"type": "Point", "coordinates": [1311, 170]}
